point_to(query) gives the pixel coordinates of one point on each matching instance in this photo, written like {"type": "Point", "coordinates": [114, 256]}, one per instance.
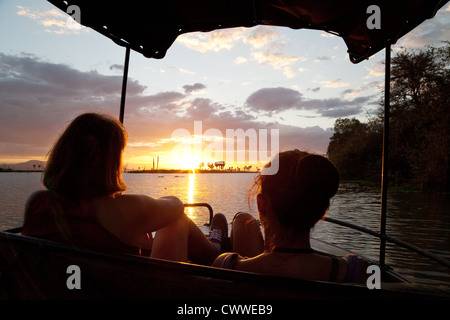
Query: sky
{"type": "Point", "coordinates": [282, 88]}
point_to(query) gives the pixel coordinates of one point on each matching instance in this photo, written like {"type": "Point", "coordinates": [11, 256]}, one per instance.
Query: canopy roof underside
{"type": "Point", "coordinates": [151, 27]}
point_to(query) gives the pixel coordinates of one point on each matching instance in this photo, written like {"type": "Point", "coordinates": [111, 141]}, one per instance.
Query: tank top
{"type": "Point", "coordinates": [353, 268]}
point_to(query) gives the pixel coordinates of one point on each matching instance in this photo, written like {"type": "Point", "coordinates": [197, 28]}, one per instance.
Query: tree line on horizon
{"type": "Point", "coordinates": [419, 139]}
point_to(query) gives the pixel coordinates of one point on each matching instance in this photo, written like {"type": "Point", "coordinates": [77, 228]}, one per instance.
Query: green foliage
{"type": "Point", "coordinates": [355, 147]}
{"type": "Point", "coordinates": [419, 126]}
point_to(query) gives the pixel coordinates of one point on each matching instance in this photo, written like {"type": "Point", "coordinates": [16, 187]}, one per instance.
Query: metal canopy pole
{"type": "Point", "coordinates": [124, 84]}
{"type": "Point", "coordinates": [384, 172]}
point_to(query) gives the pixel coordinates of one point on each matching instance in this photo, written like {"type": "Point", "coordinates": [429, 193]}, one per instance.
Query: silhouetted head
{"type": "Point", "coordinates": [86, 160]}
{"type": "Point", "coordinates": [299, 194]}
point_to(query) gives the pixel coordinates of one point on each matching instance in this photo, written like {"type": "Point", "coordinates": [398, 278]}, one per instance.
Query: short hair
{"type": "Point", "coordinates": [86, 160]}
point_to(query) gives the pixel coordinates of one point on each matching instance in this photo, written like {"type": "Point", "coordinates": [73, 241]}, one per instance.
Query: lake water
{"type": "Point", "coordinates": [421, 219]}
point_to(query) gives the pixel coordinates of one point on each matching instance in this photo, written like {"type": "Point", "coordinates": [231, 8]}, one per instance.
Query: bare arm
{"type": "Point", "coordinates": [169, 209]}
{"type": "Point", "coordinates": [130, 217]}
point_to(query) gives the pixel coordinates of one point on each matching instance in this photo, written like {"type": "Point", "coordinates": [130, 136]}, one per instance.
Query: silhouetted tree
{"type": "Point", "coordinates": [420, 117]}
{"type": "Point", "coordinates": [355, 147]}
{"type": "Point", "coordinates": [419, 125]}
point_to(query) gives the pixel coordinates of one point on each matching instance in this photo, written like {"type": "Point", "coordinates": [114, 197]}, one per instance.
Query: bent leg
{"type": "Point", "coordinates": [183, 241]}
{"type": "Point", "coordinates": [246, 237]}
{"type": "Point", "coordinates": [201, 250]}
{"type": "Point", "coordinates": [171, 241]}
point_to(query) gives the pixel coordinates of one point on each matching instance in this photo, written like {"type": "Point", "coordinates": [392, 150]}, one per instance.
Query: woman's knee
{"type": "Point", "coordinates": [246, 236]}
{"type": "Point", "coordinates": [178, 227]}
{"type": "Point", "coordinates": [244, 220]}
{"type": "Point", "coordinates": [171, 241]}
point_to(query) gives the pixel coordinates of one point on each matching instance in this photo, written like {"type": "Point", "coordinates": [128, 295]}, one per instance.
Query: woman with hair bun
{"type": "Point", "coordinates": [290, 202]}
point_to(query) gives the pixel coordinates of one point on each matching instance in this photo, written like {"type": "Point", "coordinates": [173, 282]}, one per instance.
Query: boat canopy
{"type": "Point", "coordinates": [151, 27]}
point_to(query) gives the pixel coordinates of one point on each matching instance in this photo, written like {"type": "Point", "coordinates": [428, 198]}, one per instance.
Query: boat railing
{"type": "Point", "coordinates": [385, 237]}
{"type": "Point", "coordinates": [398, 242]}
{"type": "Point", "coordinates": [202, 204]}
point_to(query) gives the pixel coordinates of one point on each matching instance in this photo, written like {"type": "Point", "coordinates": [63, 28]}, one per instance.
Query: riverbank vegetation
{"type": "Point", "coordinates": [419, 126]}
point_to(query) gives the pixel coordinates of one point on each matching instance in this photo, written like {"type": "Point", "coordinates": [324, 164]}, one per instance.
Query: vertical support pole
{"type": "Point", "coordinates": [384, 172]}
{"type": "Point", "coordinates": [124, 84]}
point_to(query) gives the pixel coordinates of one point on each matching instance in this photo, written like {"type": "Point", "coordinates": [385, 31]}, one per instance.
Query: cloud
{"type": "Point", "coordinates": [276, 60]}
{"type": "Point", "coordinates": [39, 98]}
{"type": "Point", "coordinates": [430, 32]}
{"type": "Point", "coordinates": [336, 107]}
{"type": "Point", "coordinates": [322, 58]}
{"type": "Point", "coordinates": [327, 35]}
{"type": "Point", "coordinates": [276, 100]}
{"type": "Point", "coordinates": [192, 88]}
{"type": "Point", "coordinates": [266, 46]}
{"type": "Point", "coordinates": [338, 83]}
{"type": "Point", "coordinates": [219, 119]}
{"type": "Point", "coordinates": [211, 41]}
{"type": "Point", "coordinates": [356, 92]}
{"type": "Point", "coordinates": [377, 70]}
{"type": "Point", "coordinates": [118, 67]}
{"type": "Point", "coordinates": [240, 60]}
{"type": "Point", "coordinates": [181, 71]}
{"type": "Point", "coordinates": [260, 37]}
{"type": "Point", "coordinates": [202, 108]}
{"type": "Point", "coordinates": [312, 139]}
{"type": "Point", "coordinates": [268, 49]}
{"type": "Point", "coordinates": [226, 39]}
{"type": "Point", "coordinates": [54, 20]}
{"type": "Point", "coordinates": [166, 99]}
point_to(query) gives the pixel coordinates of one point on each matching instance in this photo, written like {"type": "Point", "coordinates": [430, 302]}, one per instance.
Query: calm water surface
{"type": "Point", "coordinates": [418, 218]}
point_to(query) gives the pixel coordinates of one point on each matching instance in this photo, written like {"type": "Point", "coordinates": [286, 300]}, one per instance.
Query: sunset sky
{"type": "Point", "coordinates": [297, 82]}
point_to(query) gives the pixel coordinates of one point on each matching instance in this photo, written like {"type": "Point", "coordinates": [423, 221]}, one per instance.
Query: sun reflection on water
{"type": "Point", "coordinates": [191, 192]}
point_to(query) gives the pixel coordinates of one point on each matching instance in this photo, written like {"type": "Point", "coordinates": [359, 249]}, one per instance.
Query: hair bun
{"type": "Point", "coordinates": [316, 177]}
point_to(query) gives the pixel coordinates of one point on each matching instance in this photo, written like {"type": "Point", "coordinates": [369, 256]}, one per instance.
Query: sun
{"type": "Point", "coordinates": [192, 163]}
{"type": "Point", "coordinates": [184, 157]}
{"type": "Point", "coordinates": [189, 162]}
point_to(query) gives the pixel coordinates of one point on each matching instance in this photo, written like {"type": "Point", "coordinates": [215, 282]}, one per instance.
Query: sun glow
{"type": "Point", "coordinates": [191, 192]}
{"type": "Point", "coordinates": [191, 162]}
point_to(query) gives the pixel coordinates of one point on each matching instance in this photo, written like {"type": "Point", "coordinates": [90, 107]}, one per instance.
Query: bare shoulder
{"type": "Point", "coordinates": [141, 200]}
{"type": "Point", "coordinates": [40, 194]}
{"type": "Point", "coordinates": [127, 201]}
{"type": "Point", "coordinates": [36, 198]}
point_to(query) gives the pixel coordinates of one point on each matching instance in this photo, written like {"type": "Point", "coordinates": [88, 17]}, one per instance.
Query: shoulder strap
{"type": "Point", "coordinates": [229, 260]}
{"type": "Point", "coordinates": [334, 269]}
{"type": "Point", "coordinates": [353, 268]}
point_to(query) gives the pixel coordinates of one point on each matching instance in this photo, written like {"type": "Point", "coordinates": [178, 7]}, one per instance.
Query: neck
{"type": "Point", "coordinates": [288, 240]}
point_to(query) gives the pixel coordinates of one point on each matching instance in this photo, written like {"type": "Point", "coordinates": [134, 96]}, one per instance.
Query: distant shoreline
{"type": "Point", "coordinates": [150, 171]}
{"type": "Point", "coordinates": [187, 171]}
{"type": "Point", "coordinates": [19, 170]}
